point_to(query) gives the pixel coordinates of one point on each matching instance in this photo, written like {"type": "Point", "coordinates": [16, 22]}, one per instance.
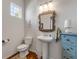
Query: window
{"type": "Point", "coordinates": [15, 10]}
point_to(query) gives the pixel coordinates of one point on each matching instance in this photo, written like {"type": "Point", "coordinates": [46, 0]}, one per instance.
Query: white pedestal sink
{"type": "Point", "coordinates": [45, 41]}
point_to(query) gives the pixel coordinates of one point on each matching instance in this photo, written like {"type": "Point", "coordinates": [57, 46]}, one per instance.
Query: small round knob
{"type": "Point", "coordinates": [67, 49]}
{"type": "Point", "coordinates": [68, 40]}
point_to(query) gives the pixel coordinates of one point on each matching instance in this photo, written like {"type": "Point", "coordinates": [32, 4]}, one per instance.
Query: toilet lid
{"type": "Point", "coordinates": [22, 46]}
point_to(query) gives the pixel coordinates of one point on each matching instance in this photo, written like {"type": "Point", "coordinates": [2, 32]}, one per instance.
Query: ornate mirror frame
{"type": "Point", "coordinates": [52, 18]}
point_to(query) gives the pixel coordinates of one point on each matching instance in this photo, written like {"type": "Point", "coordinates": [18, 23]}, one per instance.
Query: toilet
{"type": "Point", "coordinates": [23, 48]}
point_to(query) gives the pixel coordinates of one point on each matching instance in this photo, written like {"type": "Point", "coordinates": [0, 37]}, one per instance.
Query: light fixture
{"type": "Point", "coordinates": [40, 9]}
{"type": "Point", "coordinates": [50, 6]}
{"type": "Point", "coordinates": [46, 7]}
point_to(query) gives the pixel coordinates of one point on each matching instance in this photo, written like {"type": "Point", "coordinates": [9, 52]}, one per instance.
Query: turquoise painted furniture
{"type": "Point", "coordinates": [69, 46]}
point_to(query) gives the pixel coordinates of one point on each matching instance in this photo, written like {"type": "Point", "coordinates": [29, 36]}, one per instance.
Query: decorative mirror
{"type": "Point", "coordinates": [47, 21]}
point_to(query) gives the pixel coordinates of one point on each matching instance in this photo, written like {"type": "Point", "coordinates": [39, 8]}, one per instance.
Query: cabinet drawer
{"type": "Point", "coordinates": [70, 50]}
{"type": "Point", "coordinates": [66, 44]}
{"type": "Point", "coordinates": [68, 40]}
{"type": "Point", "coordinates": [68, 56]}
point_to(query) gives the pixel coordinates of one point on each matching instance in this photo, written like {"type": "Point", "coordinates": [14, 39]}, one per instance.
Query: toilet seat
{"type": "Point", "coordinates": [22, 47]}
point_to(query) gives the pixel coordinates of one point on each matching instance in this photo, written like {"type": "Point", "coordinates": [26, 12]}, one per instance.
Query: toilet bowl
{"type": "Point", "coordinates": [23, 48]}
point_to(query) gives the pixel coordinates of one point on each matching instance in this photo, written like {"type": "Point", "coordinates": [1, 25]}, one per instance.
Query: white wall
{"type": "Point", "coordinates": [65, 9]}
{"type": "Point", "coordinates": [13, 28]}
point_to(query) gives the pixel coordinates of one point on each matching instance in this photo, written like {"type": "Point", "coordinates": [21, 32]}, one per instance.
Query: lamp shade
{"type": "Point", "coordinates": [67, 26]}
{"type": "Point", "coordinates": [67, 23]}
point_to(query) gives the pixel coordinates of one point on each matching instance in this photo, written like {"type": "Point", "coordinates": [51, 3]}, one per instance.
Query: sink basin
{"type": "Point", "coordinates": [45, 38]}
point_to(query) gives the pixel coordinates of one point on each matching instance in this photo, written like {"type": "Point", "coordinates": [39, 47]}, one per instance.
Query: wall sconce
{"type": "Point", "coordinates": [46, 7]}
{"type": "Point", "coordinates": [50, 6]}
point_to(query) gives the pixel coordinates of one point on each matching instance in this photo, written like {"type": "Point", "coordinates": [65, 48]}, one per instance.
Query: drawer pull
{"type": "Point", "coordinates": [64, 57]}
{"type": "Point", "coordinates": [68, 40]}
{"type": "Point", "coordinates": [71, 48]}
{"type": "Point", "coordinates": [67, 49]}
{"type": "Point", "coordinates": [70, 57]}
{"type": "Point", "coordinates": [67, 58]}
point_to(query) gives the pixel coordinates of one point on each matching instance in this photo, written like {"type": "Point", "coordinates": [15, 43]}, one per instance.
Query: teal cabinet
{"type": "Point", "coordinates": [69, 46]}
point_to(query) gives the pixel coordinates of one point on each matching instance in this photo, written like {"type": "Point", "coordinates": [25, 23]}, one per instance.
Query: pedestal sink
{"type": "Point", "coordinates": [45, 41]}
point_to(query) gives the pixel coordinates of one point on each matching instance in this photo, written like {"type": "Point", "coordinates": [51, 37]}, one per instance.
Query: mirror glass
{"type": "Point", "coordinates": [46, 21]}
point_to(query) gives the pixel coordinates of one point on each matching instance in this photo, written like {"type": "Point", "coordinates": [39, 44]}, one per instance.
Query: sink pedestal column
{"type": "Point", "coordinates": [45, 45]}
{"type": "Point", "coordinates": [45, 50]}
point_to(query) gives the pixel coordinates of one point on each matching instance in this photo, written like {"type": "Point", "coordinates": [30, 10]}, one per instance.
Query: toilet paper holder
{"type": "Point", "coordinates": [5, 41]}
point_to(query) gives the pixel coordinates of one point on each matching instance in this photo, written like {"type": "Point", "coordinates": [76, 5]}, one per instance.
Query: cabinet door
{"type": "Point", "coordinates": [66, 55]}
{"type": "Point", "coordinates": [72, 40]}
{"type": "Point", "coordinates": [69, 46]}
{"type": "Point", "coordinates": [68, 40]}
{"type": "Point", "coordinates": [70, 50]}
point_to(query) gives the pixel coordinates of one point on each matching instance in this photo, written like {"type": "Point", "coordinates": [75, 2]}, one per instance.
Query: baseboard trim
{"type": "Point", "coordinates": [12, 55]}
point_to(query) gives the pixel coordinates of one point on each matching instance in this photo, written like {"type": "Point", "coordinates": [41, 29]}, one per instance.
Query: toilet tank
{"type": "Point", "coordinates": [28, 40]}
